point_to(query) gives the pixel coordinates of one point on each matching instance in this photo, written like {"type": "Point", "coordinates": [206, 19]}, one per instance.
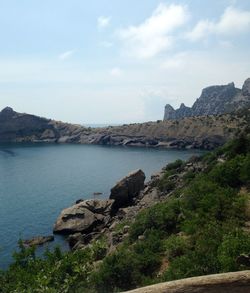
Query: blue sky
{"type": "Point", "coordinates": [113, 61]}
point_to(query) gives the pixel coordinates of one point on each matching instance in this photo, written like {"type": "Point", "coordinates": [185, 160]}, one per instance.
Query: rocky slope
{"type": "Point", "coordinates": [89, 220]}
{"type": "Point", "coordinates": [126, 226]}
{"type": "Point", "coordinates": [214, 100]}
{"type": "Point", "coordinates": [204, 132]}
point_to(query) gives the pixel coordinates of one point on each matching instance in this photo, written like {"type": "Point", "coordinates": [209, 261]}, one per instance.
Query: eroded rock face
{"type": "Point", "coordinates": [127, 189]}
{"type": "Point", "coordinates": [246, 88]}
{"type": "Point", "coordinates": [214, 100]}
{"type": "Point", "coordinates": [84, 216]}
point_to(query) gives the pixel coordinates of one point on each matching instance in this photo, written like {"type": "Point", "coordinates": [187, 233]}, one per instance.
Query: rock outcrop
{"type": "Point", "coordinates": [236, 282]}
{"type": "Point", "coordinates": [127, 189]}
{"type": "Point", "coordinates": [214, 100]}
{"type": "Point", "coordinates": [88, 220]}
{"type": "Point", "coordinates": [84, 217]}
{"type": "Point", "coordinates": [39, 240]}
{"type": "Point", "coordinates": [204, 132]}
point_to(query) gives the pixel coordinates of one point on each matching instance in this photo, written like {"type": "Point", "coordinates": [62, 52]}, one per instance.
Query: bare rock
{"type": "Point", "coordinates": [127, 189]}
{"type": "Point", "coordinates": [236, 282]}
{"type": "Point", "coordinates": [83, 217]}
{"type": "Point", "coordinates": [38, 240]}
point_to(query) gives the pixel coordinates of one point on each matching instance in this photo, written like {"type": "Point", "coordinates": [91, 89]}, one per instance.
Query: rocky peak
{"type": "Point", "coordinates": [7, 112]}
{"type": "Point", "coordinates": [246, 88]}
{"type": "Point", "coordinates": [214, 100]}
{"type": "Point", "coordinates": [169, 112]}
{"type": "Point", "coordinates": [183, 106]}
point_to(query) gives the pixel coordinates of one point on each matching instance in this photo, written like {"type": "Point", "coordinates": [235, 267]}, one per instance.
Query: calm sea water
{"type": "Point", "coordinates": [38, 181]}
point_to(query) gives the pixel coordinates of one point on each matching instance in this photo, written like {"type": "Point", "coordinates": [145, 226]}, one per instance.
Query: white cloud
{"type": "Point", "coordinates": [202, 29]}
{"type": "Point", "coordinates": [106, 44]}
{"type": "Point", "coordinates": [154, 35]}
{"type": "Point", "coordinates": [103, 21]}
{"type": "Point", "coordinates": [116, 71]}
{"type": "Point", "coordinates": [66, 55]}
{"type": "Point", "coordinates": [233, 21]}
{"type": "Point", "coordinates": [176, 61]}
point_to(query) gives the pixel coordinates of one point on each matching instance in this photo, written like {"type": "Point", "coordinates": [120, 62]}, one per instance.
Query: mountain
{"type": "Point", "coordinates": [206, 132]}
{"type": "Point", "coordinates": [22, 127]}
{"type": "Point", "coordinates": [214, 100]}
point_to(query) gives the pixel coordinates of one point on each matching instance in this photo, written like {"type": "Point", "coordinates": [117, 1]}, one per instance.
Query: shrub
{"type": "Point", "coordinates": [233, 245]}
{"type": "Point", "coordinates": [175, 165]}
{"type": "Point", "coordinates": [162, 217]}
{"type": "Point", "coordinates": [228, 173]}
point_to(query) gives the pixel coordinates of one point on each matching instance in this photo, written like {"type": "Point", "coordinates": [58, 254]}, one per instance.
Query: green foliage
{"type": "Point", "coordinates": [175, 165]}
{"type": "Point", "coordinates": [244, 175]}
{"type": "Point", "coordinates": [130, 266]}
{"type": "Point", "coordinates": [55, 272]}
{"type": "Point", "coordinates": [165, 184]}
{"type": "Point", "coordinates": [162, 217]}
{"type": "Point", "coordinates": [233, 244]}
{"type": "Point", "coordinates": [228, 173]}
{"type": "Point", "coordinates": [199, 231]}
{"type": "Point", "coordinates": [176, 246]}
{"type": "Point", "coordinates": [189, 176]}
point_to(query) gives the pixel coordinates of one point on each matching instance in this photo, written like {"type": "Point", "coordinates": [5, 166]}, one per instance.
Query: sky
{"type": "Point", "coordinates": [117, 61]}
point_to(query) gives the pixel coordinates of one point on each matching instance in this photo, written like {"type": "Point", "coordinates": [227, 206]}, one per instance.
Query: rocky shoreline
{"type": "Point", "coordinates": [89, 220]}
{"type": "Point", "coordinates": [204, 132]}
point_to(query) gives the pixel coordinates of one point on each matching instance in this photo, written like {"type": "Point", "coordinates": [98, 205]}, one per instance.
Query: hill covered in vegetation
{"type": "Point", "coordinates": [198, 227]}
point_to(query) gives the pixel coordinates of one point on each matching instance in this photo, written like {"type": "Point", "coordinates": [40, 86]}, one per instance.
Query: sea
{"type": "Point", "coordinates": [37, 181]}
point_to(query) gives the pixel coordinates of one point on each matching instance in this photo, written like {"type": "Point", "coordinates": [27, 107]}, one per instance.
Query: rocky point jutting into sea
{"type": "Point", "coordinates": [209, 123]}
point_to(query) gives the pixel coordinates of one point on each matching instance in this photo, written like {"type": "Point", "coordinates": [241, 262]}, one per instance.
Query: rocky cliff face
{"type": "Point", "coordinates": [214, 100]}
{"type": "Point", "coordinates": [22, 127]}
{"type": "Point", "coordinates": [206, 132]}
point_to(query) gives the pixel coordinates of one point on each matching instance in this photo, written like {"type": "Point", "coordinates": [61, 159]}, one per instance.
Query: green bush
{"type": "Point", "coordinates": [162, 217]}
{"type": "Point", "coordinates": [175, 165]}
{"type": "Point", "coordinates": [233, 245]}
{"type": "Point", "coordinates": [176, 246]}
{"type": "Point", "coordinates": [228, 173]}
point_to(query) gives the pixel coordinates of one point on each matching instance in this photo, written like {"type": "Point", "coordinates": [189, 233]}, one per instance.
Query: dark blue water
{"type": "Point", "coordinates": [38, 181]}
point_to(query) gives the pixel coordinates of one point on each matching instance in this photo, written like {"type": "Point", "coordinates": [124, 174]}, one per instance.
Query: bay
{"type": "Point", "coordinates": [38, 180]}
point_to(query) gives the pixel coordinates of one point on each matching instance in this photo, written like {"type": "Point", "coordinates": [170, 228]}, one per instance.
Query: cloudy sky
{"type": "Point", "coordinates": [117, 61]}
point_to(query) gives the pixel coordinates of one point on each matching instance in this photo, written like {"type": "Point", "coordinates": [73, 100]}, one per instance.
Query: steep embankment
{"type": "Point", "coordinates": [193, 132]}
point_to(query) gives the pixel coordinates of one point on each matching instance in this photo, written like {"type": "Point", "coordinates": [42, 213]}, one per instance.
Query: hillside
{"type": "Point", "coordinates": [191, 219]}
{"type": "Point", "coordinates": [214, 100]}
{"type": "Point", "coordinates": [205, 132]}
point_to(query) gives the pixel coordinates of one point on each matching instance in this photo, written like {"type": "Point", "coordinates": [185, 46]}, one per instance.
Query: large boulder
{"type": "Point", "coordinates": [84, 217]}
{"type": "Point", "coordinates": [127, 189]}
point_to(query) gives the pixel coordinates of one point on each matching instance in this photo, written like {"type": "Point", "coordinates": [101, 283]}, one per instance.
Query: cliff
{"type": "Point", "coordinates": [205, 132]}
{"type": "Point", "coordinates": [214, 100]}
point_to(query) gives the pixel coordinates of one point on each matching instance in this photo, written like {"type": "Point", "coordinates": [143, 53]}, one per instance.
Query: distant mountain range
{"type": "Point", "coordinates": [214, 100]}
